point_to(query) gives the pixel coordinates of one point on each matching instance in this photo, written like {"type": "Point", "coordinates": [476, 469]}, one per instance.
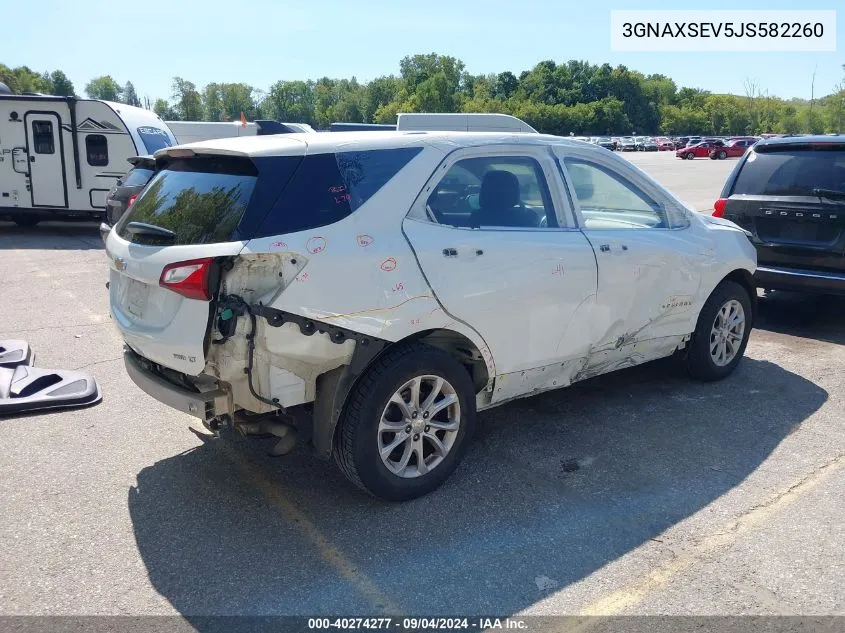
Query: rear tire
{"type": "Point", "coordinates": [26, 221]}
{"type": "Point", "coordinates": [373, 407]}
{"type": "Point", "coordinates": [721, 334]}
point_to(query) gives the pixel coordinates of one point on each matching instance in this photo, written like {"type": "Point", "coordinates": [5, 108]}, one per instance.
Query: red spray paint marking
{"type": "Point", "coordinates": [316, 245]}
{"type": "Point", "coordinates": [365, 240]}
{"type": "Point", "coordinates": [278, 245]}
{"type": "Point", "coordinates": [389, 265]}
{"type": "Point", "coordinates": [558, 270]}
{"type": "Point", "coordinates": [399, 287]}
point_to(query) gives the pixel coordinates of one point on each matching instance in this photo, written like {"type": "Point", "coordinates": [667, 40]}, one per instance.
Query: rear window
{"type": "Point", "coordinates": [791, 172]}
{"type": "Point", "coordinates": [136, 176]}
{"type": "Point", "coordinates": [328, 187]}
{"type": "Point", "coordinates": [201, 200]}
{"type": "Point", "coordinates": [206, 199]}
{"type": "Point", "coordinates": [154, 138]}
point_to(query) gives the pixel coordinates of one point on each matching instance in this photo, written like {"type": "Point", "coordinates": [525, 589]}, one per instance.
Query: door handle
{"type": "Point", "coordinates": [606, 248]}
{"type": "Point", "coordinates": [453, 252]}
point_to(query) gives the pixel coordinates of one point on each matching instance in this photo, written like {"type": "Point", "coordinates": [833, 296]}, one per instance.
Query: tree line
{"type": "Point", "coordinates": [575, 97]}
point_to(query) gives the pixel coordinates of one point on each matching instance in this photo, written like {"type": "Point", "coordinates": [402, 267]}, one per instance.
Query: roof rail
{"type": "Point", "coordinates": [357, 127]}
{"type": "Point", "coordinates": [461, 122]}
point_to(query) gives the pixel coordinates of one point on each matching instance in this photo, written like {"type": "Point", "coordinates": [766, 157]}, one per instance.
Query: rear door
{"type": "Point", "coordinates": [497, 243]}
{"type": "Point", "coordinates": [188, 216]}
{"type": "Point", "coordinates": [46, 162]}
{"type": "Point", "coordinates": [792, 199]}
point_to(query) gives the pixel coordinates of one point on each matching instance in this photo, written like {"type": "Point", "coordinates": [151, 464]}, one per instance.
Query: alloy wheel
{"type": "Point", "coordinates": [419, 426]}
{"type": "Point", "coordinates": [727, 333]}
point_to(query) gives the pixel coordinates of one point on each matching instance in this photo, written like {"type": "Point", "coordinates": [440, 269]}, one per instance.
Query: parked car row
{"type": "Point", "coordinates": [665, 143]}
{"type": "Point", "coordinates": [715, 148]}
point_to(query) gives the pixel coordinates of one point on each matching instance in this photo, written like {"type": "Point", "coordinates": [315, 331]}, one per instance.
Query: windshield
{"type": "Point", "coordinates": [154, 138]}
{"type": "Point", "coordinates": [792, 172]}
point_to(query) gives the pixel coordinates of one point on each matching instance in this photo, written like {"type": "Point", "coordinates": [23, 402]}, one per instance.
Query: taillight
{"type": "Point", "coordinates": [189, 279]}
{"type": "Point", "coordinates": [131, 200]}
{"type": "Point", "coordinates": [719, 207]}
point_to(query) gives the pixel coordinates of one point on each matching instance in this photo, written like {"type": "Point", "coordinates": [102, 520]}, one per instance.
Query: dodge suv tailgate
{"type": "Point", "coordinates": [791, 197]}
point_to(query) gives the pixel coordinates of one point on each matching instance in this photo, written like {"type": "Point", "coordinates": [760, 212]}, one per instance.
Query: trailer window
{"type": "Point", "coordinates": [42, 137]}
{"type": "Point", "coordinates": [97, 149]}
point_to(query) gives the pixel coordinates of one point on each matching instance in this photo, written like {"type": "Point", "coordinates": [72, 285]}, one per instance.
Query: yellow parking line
{"type": "Point", "coordinates": [618, 601]}
{"type": "Point", "coordinates": [273, 492]}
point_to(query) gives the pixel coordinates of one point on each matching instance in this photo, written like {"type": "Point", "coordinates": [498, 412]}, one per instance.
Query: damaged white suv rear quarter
{"type": "Point", "coordinates": [387, 286]}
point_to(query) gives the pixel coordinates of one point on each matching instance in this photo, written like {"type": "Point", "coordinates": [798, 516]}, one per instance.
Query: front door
{"type": "Point", "coordinates": [648, 264]}
{"type": "Point", "coordinates": [46, 168]}
{"type": "Point", "coordinates": [499, 258]}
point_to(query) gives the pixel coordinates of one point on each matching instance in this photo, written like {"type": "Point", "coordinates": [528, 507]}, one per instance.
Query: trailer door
{"type": "Point", "coordinates": [46, 162]}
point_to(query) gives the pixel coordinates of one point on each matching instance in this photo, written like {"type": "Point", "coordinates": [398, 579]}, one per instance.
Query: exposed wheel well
{"type": "Point", "coordinates": [333, 387]}
{"type": "Point", "coordinates": [461, 348]}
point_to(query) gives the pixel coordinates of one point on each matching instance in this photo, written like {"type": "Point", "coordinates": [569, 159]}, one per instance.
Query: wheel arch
{"type": "Point", "coordinates": [745, 279]}
{"type": "Point", "coordinates": [334, 386]}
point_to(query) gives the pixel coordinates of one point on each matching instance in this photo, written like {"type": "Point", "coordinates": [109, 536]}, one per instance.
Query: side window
{"type": "Point", "coordinates": [610, 201]}
{"type": "Point", "coordinates": [326, 188]}
{"type": "Point", "coordinates": [493, 191]}
{"type": "Point", "coordinates": [42, 137]}
{"type": "Point", "coordinates": [97, 150]}
{"type": "Point", "coordinates": [364, 173]}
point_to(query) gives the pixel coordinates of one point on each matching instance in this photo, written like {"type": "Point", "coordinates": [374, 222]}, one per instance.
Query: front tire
{"type": "Point", "coordinates": [690, 156]}
{"type": "Point", "coordinates": [721, 334]}
{"type": "Point", "coordinates": [407, 423]}
{"type": "Point", "coordinates": [722, 155]}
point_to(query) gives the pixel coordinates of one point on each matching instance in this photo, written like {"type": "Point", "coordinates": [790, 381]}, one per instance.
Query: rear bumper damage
{"type": "Point", "coordinates": [205, 405]}
{"type": "Point", "coordinates": [794, 279]}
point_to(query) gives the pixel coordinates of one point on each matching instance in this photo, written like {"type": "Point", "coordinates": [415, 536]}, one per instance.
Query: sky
{"type": "Point", "coordinates": [262, 41]}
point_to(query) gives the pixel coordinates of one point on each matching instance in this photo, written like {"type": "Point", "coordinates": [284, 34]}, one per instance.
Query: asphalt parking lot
{"type": "Point", "coordinates": [640, 492]}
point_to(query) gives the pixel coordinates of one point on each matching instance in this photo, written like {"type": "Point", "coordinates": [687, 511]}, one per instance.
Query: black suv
{"type": "Point", "coordinates": [127, 188]}
{"type": "Point", "coordinates": [789, 193]}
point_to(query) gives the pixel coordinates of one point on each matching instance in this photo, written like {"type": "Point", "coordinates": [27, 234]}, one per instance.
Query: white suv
{"type": "Point", "coordinates": [389, 285]}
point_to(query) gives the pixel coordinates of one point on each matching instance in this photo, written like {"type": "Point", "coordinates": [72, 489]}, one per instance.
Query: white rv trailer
{"type": "Point", "coordinates": [60, 156]}
{"type": "Point", "coordinates": [194, 131]}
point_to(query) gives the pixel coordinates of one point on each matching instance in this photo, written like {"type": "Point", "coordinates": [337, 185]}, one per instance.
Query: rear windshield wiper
{"type": "Point", "coordinates": [140, 229]}
{"type": "Point", "coordinates": [833, 194]}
